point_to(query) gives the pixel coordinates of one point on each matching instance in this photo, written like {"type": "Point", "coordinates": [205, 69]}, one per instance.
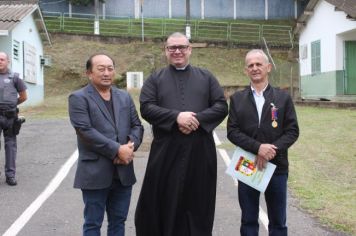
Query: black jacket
{"type": "Point", "coordinates": [245, 131]}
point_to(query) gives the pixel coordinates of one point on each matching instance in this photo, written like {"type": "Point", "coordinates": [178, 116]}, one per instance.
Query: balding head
{"type": "Point", "coordinates": [257, 67]}
{"type": "Point", "coordinates": [255, 52]}
{"type": "Point", "coordinates": [178, 50]}
{"type": "Point", "coordinates": [4, 62]}
{"type": "Point", "coordinates": [178, 35]}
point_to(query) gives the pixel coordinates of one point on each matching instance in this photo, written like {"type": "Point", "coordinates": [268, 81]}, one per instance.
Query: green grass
{"type": "Point", "coordinates": [227, 66]}
{"type": "Point", "coordinates": [322, 166]}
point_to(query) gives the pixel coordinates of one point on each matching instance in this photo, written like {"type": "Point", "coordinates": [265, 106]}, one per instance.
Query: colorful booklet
{"type": "Point", "coordinates": [243, 168]}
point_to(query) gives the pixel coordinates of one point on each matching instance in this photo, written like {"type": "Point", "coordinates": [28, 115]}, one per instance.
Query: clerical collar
{"type": "Point", "coordinates": [182, 68]}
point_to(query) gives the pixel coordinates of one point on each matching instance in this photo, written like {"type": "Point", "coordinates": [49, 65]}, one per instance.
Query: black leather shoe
{"type": "Point", "coordinates": [11, 181]}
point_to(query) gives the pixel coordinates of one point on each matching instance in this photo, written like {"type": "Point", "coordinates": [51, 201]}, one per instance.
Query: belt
{"type": "Point", "coordinates": [8, 113]}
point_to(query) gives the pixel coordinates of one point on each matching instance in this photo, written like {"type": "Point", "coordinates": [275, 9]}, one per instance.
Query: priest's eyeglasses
{"type": "Point", "coordinates": [181, 48]}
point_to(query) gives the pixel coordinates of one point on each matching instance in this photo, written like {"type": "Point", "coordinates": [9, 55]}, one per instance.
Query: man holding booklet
{"type": "Point", "coordinates": [262, 120]}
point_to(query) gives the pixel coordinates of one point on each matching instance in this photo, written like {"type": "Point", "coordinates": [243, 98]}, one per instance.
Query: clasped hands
{"type": "Point", "coordinates": [125, 154]}
{"type": "Point", "coordinates": [187, 122]}
{"type": "Point", "coordinates": [266, 152]}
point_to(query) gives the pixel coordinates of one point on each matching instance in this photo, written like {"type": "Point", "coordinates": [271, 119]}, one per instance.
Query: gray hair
{"type": "Point", "coordinates": [258, 51]}
{"type": "Point", "coordinates": [4, 53]}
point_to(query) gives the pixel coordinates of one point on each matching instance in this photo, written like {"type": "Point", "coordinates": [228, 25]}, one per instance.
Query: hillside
{"type": "Point", "coordinates": [69, 54]}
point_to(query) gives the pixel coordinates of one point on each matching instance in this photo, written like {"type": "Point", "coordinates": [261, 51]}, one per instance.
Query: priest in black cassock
{"type": "Point", "coordinates": [183, 104]}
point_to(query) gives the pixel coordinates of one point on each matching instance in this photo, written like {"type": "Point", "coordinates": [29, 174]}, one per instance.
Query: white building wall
{"type": "Point", "coordinates": [5, 44]}
{"type": "Point", "coordinates": [27, 32]}
{"type": "Point", "coordinates": [324, 25]}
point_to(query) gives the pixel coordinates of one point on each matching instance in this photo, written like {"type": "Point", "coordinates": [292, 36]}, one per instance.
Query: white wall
{"type": "Point", "coordinates": [5, 45]}
{"type": "Point", "coordinates": [324, 25]}
{"type": "Point", "coordinates": [27, 32]}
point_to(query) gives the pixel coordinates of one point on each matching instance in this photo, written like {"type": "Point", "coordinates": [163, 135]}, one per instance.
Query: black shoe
{"type": "Point", "coordinates": [11, 181]}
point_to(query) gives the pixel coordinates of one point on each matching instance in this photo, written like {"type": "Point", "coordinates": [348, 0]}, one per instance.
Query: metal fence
{"type": "Point", "coordinates": [204, 30]}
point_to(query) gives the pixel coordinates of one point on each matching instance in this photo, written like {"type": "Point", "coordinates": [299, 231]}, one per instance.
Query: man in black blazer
{"type": "Point", "coordinates": [263, 121]}
{"type": "Point", "coordinates": [108, 132]}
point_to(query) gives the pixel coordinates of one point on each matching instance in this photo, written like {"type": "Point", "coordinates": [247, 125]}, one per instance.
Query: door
{"type": "Point", "coordinates": [350, 67]}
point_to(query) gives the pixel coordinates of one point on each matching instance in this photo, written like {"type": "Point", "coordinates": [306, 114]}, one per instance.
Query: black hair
{"type": "Point", "coordinates": [89, 64]}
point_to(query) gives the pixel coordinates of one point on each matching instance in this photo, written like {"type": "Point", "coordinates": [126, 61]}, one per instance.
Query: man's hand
{"type": "Point", "coordinates": [118, 161]}
{"type": "Point", "coordinates": [187, 122]}
{"type": "Point", "coordinates": [22, 97]}
{"type": "Point", "coordinates": [184, 130]}
{"type": "Point", "coordinates": [267, 151]}
{"type": "Point", "coordinates": [260, 162]}
{"type": "Point", "coordinates": [125, 154]}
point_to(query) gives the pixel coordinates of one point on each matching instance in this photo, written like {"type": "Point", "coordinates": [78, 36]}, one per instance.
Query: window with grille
{"type": "Point", "coordinates": [315, 57]}
{"type": "Point", "coordinates": [16, 50]}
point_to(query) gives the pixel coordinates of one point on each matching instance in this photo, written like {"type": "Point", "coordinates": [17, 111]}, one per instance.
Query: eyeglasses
{"type": "Point", "coordinates": [181, 48]}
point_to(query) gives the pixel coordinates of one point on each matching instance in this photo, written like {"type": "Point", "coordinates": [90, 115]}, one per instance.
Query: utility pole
{"type": "Point", "coordinates": [187, 19]}
{"type": "Point", "coordinates": [142, 23]}
{"type": "Point", "coordinates": [96, 21]}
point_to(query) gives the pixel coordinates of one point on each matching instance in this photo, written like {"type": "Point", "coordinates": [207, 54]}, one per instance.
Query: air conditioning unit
{"type": "Point", "coordinates": [46, 61]}
{"type": "Point", "coordinates": [134, 80]}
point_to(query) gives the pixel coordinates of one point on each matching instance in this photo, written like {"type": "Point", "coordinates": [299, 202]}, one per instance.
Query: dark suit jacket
{"type": "Point", "coordinates": [245, 131]}
{"type": "Point", "coordinates": [99, 136]}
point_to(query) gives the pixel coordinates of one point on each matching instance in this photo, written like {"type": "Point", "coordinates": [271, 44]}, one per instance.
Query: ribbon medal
{"type": "Point", "coordinates": [274, 114]}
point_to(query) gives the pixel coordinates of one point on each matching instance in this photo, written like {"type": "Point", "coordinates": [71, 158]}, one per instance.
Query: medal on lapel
{"type": "Point", "coordinates": [274, 115]}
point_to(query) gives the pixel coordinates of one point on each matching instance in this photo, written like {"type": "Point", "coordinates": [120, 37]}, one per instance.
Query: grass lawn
{"type": "Point", "coordinates": [323, 163]}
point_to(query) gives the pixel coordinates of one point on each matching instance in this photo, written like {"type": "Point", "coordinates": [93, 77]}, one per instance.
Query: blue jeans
{"type": "Point", "coordinates": [276, 201]}
{"type": "Point", "coordinates": [115, 200]}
